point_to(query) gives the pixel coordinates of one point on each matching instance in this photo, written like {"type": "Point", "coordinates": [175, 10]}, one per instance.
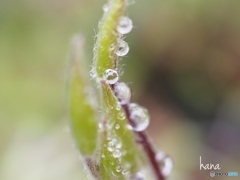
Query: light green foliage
{"type": "Point", "coordinates": [83, 122]}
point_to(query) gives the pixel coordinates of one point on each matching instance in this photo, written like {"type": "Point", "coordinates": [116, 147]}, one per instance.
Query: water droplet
{"type": "Point", "coordinates": [168, 165]}
{"type": "Point", "coordinates": [117, 153]}
{"type": "Point", "coordinates": [117, 126]}
{"type": "Point", "coordinates": [123, 48]}
{"type": "Point", "coordinates": [105, 7]}
{"type": "Point", "coordinates": [118, 168]}
{"type": "Point", "coordinates": [138, 176]}
{"type": "Point", "coordinates": [165, 162]}
{"type": "Point", "coordinates": [139, 116]}
{"type": "Point", "coordinates": [160, 156]}
{"type": "Point", "coordinates": [112, 47]}
{"type": "Point", "coordinates": [110, 76]}
{"type": "Point", "coordinates": [118, 107]}
{"type": "Point", "coordinates": [124, 25]}
{"type": "Point", "coordinates": [110, 149]}
{"type": "Point", "coordinates": [121, 116]}
{"type": "Point", "coordinates": [111, 146]}
{"type": "Point", "coordinates": [125, 172]}
{"type": "Point", "coordinates": [123, 92]}
{"type": "Point", "coordinates": [100, 125]}
{"type": "Point", "coordinates": [129, 127]}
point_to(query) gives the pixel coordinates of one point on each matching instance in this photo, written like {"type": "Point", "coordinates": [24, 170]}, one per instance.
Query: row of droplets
{"type": "Point", "coordinates": [114, 146]}
{"type": "Point", "coordinates": [124, 26]}
{"type": "Point", "coordinates": [140, 118]}
{"type": "Point", "coordinates": [138, 114]}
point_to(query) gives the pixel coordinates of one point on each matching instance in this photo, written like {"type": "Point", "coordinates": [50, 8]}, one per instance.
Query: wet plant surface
{"type": "Point", "coordinates": [120, 147]}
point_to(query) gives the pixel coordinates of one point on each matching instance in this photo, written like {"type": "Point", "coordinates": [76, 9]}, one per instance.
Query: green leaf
{"type": "Point", "coordinates": [120, 156]}
{"type": "Point", "coordinates": [82, 111]}
{"type": "Point", "coordinates": [105, 58]}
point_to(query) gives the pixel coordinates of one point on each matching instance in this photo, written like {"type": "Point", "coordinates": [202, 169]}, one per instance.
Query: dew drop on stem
{"type": "Point", "coordinates": [139, 117]}
{"type": "Point", "coordinates": [160, 156]}
{"type": "Point", "coordinates": [100, 125]}
{"type": "Point", "coordinates": [110, 76]}
{"type": "Point", "coordinates": [165, 162]}
{"type": "Point", "coordinates": [110, 146]}
{"type": "Point", "coordinates": [125, 172]}
{"type": "Point", "coordinates": [117, 126]}
{"type": "Point", "coordinates": [168, 165]}
{"type": "Point", "coordinates": [124, 25]}
{"type": "Point", "coordinates": [117, 153]}
{"type": "Point", "coordinates": [118, 107]}
{"type": "Point", "coordinates": [118, 168]}
{"type": "Point", "coordinates": [122, 49]}
{"type": "Point", "coordinates": [122, 92]}
{"type": "Point", "coordinates": [121, 116]}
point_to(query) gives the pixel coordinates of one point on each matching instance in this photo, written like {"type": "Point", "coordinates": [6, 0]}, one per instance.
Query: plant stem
{"type": "Point", "coordinates": [143, 139]}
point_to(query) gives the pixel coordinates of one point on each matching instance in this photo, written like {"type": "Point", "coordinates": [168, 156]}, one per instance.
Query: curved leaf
{"type": "Point", "coordinates": [82, 112]}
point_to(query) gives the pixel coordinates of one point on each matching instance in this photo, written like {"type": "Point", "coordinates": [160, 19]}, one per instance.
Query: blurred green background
{"type": "Point", "coordinates": [183, 65]}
